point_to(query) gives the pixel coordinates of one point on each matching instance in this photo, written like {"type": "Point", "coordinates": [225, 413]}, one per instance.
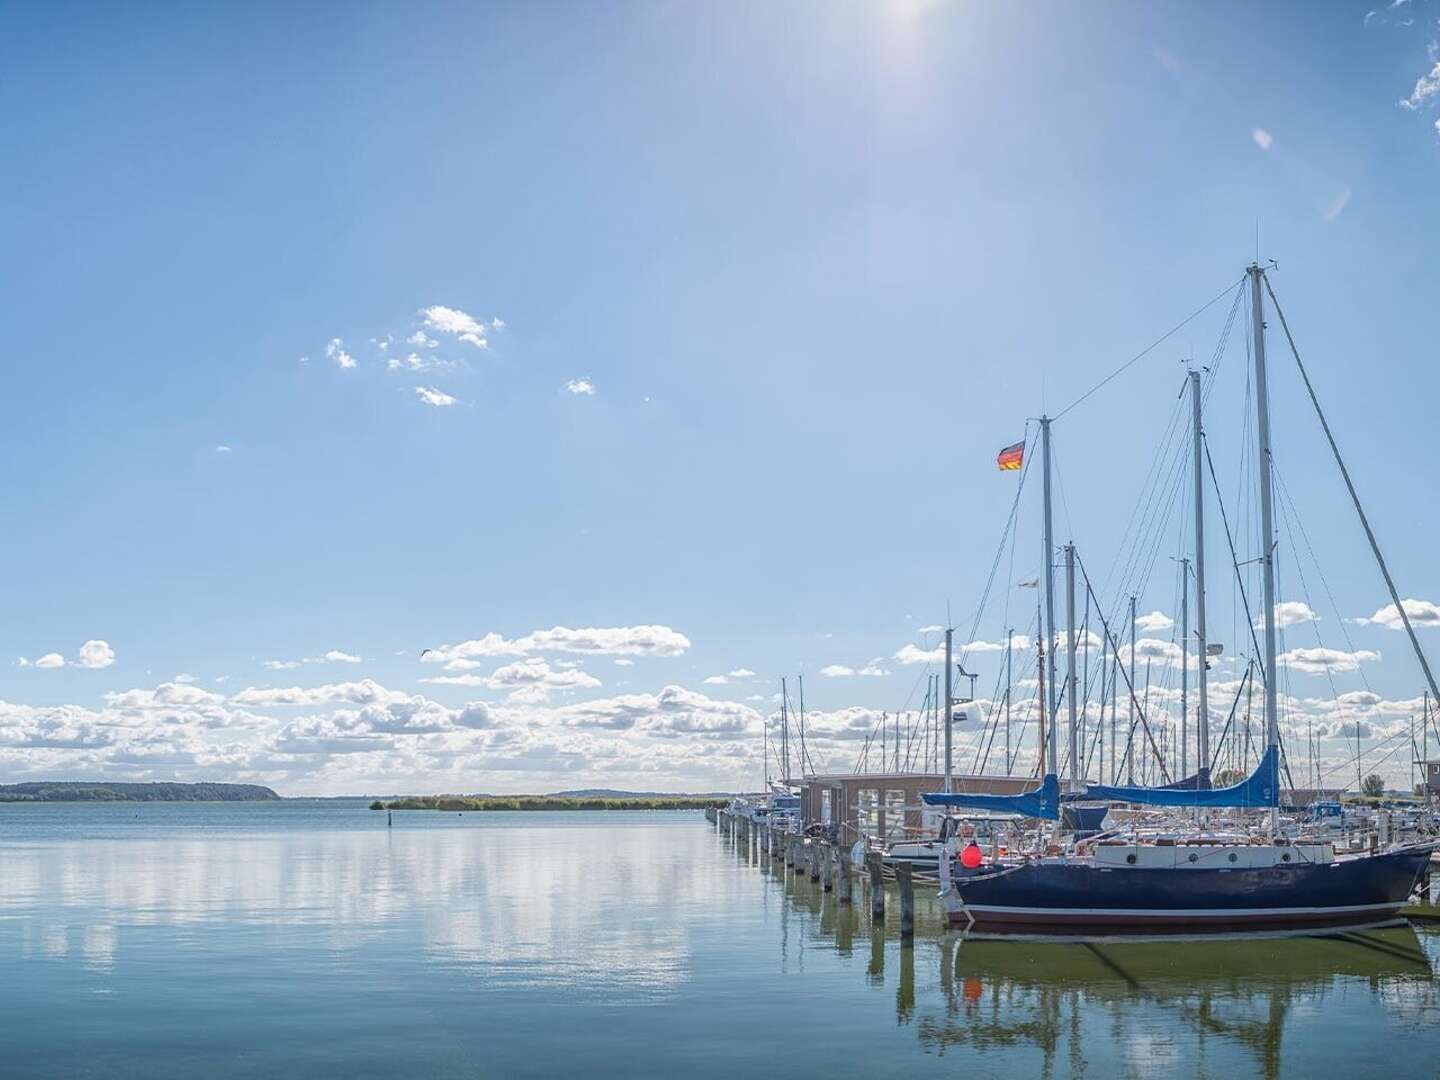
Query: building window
{"type": "Point", "coordinates": [870, 811]}
{"type": "Point", "coordinates": [825, 794]}
{"type": "Point", "coordinates": [894, 814]}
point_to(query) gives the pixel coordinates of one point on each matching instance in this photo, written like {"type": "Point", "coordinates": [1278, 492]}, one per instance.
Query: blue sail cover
{"type": "Point", "coordinates": [1043, 802]}
{"type": "Point", "coordinates": [1260, 789]}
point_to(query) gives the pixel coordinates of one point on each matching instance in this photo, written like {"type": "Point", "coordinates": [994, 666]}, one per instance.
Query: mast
{"type": "Point", "coordinates": [1075, 770]}
{"type": "Point", "coordinates": [784, 731]}
{"type": "Point", "coordinates": [1202, 644]}
{"type": "Point", "coordinates": [1050, 707]}
{"type": "Point", "coordinates": [1040, 674]}
{"type": "Point", "coordinates": [804, 755]}
{"type": "Point", "coordinates": [1130, 752]}
{"type": "Point", "coordinates": [1267, 522]}
{"type": "Point", "coordinates": [949, 709]}
{"type": "Point", "coordinates": [1184, 666]}
{"type": "Point", "coordinates": [1009, 638]}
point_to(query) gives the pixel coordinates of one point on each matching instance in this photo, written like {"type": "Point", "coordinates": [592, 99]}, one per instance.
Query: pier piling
{"type": "Point", "coordinates": [877, 885]}
{"type": "Point", "coordinates": [842, 858]}
{"type": "Point", "coordinates": [827, 868]}
{"type": "Point", "coordinates": [907, 900]}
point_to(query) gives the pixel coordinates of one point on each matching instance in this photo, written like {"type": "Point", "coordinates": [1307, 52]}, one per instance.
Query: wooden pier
{"type": "Point", "coordinates": [827, 865]}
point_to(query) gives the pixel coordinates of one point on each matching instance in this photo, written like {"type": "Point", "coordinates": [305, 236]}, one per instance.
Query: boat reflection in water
{"type": "Point", "coordinates": [1135, 1006]}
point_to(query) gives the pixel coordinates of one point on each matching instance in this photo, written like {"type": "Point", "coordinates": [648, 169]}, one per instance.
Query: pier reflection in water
{"type": "Point", "coordinates": [251, 941]}
{"type": "Point", "coordinates": [1115, 1006]}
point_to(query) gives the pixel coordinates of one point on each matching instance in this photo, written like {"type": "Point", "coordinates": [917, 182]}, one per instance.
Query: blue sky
{"type": "Point", "coordinates": [759, 292]}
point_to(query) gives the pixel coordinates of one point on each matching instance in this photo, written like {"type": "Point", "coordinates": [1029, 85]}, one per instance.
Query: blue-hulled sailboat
{"type": "Point", "coordinates": [1190, 882]}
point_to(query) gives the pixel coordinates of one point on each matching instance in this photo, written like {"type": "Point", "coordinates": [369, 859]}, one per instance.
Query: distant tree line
{"type": "Point", "coordinates": [546, 802]}
{"type": "Point", "coordinates": [85, 791]}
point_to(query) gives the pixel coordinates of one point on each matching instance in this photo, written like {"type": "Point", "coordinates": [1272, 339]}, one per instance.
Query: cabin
{"type": "Point", "coordinates": [888, 804]}
{"type": "Point", "coordinates": [1431, 783]}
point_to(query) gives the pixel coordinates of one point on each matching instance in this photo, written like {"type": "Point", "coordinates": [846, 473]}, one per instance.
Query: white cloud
{"type": "Point", "coordinates": [673, 711]}
{"type": "Point", "coordinates": [931, 630]}
{"type": "Point", "coordinates": [1263, 139]}
{"type": "Point", "coordinates": [454, 321]}
{"type": "Point", "coordinates": [95, 654]}
{"type": "Point", "coordinates": [836, 671]}
{"type": "Point", "coordinates": [1421, 612]}
{"type": "Point", "coordinates": [430, 396]}
{"type": "Point", "coordinates": [625, 661]}
{"type": "Point", "coordinates": [1426, 89]}
{"type": "Point", "coordinates": [1320, 660]}
{"type": "Point", "coordinates": [335, 350]}
{"type": "Point", "coordinates": [1292, 613]}
{"type": "Point", "coordinates": [332, 656]}
{"type": "Point", "coordinates": [742, 673]}
{"type": "Point", "coordinates": [599, 640]}
{"type": "Point", "coordinates": [222, 449]}
{"type": "Point", "coordinates": [364, 692]}
{"type": "Point", "coordinates": [414, 362]}
{"type": "Point", "coordinates": [910, 654]}
{"type": "Point", "coordinates": [419, 340]}
{"type": "Point", "coordinates": [873, 670]}
{"type": "Point", "coordinates": [580, 386]}
{"type": "Point", "coordinates": [536, 678]}
{"type": "Point", "coordinates": [1154, 623]}
{"type": "Point", "coordinates": [50, 660]}
{"type": "Point", "coordinates": [716, 680]}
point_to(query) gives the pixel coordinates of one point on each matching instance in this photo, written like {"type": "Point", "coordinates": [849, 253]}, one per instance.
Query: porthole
{"type": "Point", "coordinates": [1130, 858]}
{"type": "Point", "coordinates": [1234, 857]}
{"type": "Point", "coordinates": [1285, 857]}
{"type": "Point", "coordinates": [1194, 857]}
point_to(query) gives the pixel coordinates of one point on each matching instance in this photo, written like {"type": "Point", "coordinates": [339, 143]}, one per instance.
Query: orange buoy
{"type": "Point", "coordinates": [971, 857]}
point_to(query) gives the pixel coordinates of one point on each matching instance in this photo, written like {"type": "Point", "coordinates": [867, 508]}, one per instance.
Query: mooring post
{"type": "Point", "coordinates": [815, 860]}
{"type": "Point", "coordinates": [877, 885]}
{"type": "Point", "coordinates": [389, 819]}
{"type": "Point", "coordinates": [907, 900]}
{"type": "Point", "coordinates": [843, 859]}
{"type": "Point", "coordinates": [827, 868]}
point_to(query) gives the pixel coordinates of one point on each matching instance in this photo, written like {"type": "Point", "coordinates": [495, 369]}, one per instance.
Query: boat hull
{"type": "Point", "coordinates": [1081, 897]}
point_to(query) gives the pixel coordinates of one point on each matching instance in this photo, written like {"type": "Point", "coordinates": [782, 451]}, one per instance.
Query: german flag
{"type": "Point", "coordinates": [1011, 458]}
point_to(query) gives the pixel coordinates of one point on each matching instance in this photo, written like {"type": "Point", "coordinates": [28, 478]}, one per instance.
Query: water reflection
{"type": "Point", "coordinates": [1137, 1007]}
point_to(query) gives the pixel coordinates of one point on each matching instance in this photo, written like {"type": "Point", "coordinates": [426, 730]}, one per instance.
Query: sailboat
{"type": "Point", "coordinates": [1190, 881]}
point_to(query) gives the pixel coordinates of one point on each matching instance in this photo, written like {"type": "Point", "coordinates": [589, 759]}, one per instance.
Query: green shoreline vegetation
{"type": "Point", "coordinates": [548, 802]}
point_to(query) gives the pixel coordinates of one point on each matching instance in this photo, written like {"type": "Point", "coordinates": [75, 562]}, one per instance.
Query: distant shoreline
{"type": "Point", "coordinates": [548, 802]}
{"type": "Point", "coordinates": [70, 791]}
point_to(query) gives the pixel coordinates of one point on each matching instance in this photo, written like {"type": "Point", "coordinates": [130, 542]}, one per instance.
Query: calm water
{"type": "Point", "coordinates": [308, 940]}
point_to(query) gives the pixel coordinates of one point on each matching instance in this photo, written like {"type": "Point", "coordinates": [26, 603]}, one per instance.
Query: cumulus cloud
{"type": "Point", "coordinates": [1292, 613]}
{"type": "Point", "coordinates": [335, 350]}
{"type": "Point", "coordinates": [1427, 87]}
{"type": "Point", "coordinates": [596, 640]}
{"type": "Point", "coordinates": [911, 654]}
{"type": "Point", "coordinates": [1156, 622]}
{"type": "Point", "coordinates": [414, 362]}
{"type": "Point", "coordinates": [674, 710]}
{"type": "Point", "coordinates": [536, 676]}
{"type": "Point", "coordinates": [1318, 661]}
{"type": "Point", "coordinates": [363, 692]}
{"type": "Point", "coordinates": [431, 396]}
{"type": "Point", "coordinates": [50, 660]}
{"type": "Point", "coordinates": [1263, 139]}
{"type": "Point", "coordinates": [742, 673]}
{"type": "Point", "coordinates": [457, 323]}
{"type": "Point", "coordinates": [330, 656]}
{"type": "Point", "coordinates": [872, 670]}
{"type": "Point", "coordinates": [1421, 612]}
{"type": "Point", "coordinates": [836, 671]}
{"type": "Point", "coordinates": [580, 386]}
{"type": "Point", "coordinates": [420, 340]}
{"type": "Point", "coordinates": [96, 654]}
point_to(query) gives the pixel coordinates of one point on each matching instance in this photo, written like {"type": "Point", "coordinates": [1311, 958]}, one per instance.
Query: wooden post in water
{"type": "Point", "coordinates": [907, 900]}
{"type": "Point", "coordinates": [877, 885]}
{"type": "Point", "coordinates": [815, 861]}
{"type": "Point", "coordinates": [843, 858]}
{"type": "Point", "coordinates": [827, 868]}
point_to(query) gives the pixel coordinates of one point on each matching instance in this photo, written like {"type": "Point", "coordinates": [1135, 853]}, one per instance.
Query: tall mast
{"type": "Point", "coordinates": [785, 730]}
{"type": "Point", "coordinates": [1050, 706]}
{"type": "Point", "coordinates": [1267, 521]}
{"type": "Point", "coordinates": [949, 709]}
{"type": "Point", "coordinates": [1009, 639]}
{"type": "Point", "coordinates": [1202, 644]}
{"type": "Point", "coordinates": [804, 755]}
{"type": "Point", "coordinates": [1184, 666]}
{"type": "Point", "coordinates": [1075, 770]}
{"type": "Point", "coordinates": [1130, 742]}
